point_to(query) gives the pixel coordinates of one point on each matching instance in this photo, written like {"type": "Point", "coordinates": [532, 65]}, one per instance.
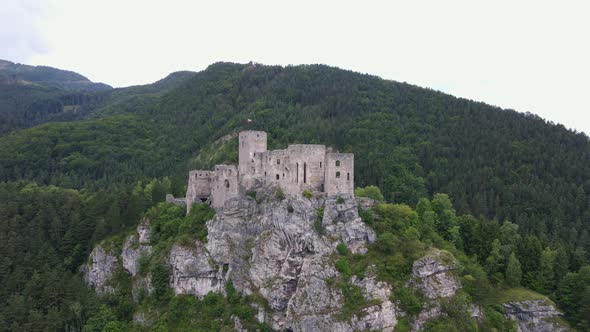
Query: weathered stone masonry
{"type": "Point", "coordinates": [297, 168]}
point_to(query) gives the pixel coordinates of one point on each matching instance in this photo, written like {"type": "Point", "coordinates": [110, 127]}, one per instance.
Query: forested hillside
{"type": "Point", "coordinates": [31, 95]}
{"type": "Point", "coordinates": [497, 166]}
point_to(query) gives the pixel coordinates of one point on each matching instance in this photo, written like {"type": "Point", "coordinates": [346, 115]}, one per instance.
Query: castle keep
{"type": "Point", "coordinates": [295, 169]}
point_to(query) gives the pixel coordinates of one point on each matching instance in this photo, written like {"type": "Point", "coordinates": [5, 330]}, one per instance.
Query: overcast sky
{"type": "Point", "coordinates": [531, 55]}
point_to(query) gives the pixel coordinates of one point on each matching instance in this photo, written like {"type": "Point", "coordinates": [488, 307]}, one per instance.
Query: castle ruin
{"type": "Point", "coordinates": [297, 168]}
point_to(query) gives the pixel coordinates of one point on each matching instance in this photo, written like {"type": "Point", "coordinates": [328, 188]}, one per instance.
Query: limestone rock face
{"type": "Point", "coordinates": [433, 275]}
{"type": "Point", "coordinates": [273, 248]}
{"type": "Point", "coordinates": [341, 219]}
{"type": "Point", "coordinates": [533, 316]}
{"type": "Point", "coordinates": [99, 270]}
{"type": "Point", "coordinates": [144, 231]}
{"type": "Point", "coordinates": [132, 252]}
{"type": "Point", "coordinates": [193, 272]}
{"type": "Point", "coordinates": [282, 250]}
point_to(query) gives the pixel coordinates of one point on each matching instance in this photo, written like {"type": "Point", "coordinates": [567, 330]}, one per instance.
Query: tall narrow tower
{"type": "Point", "coordinates": [251, 142]}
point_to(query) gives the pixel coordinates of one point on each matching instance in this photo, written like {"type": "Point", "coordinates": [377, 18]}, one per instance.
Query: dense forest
{"type": "Point", "coordinates": [519, 185]}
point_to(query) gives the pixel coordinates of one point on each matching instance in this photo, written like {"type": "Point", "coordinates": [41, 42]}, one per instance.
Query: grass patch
{"type": "Point", "coordinates": [307, 194]}
{"type": "Point", "coordinates": [519, 294]}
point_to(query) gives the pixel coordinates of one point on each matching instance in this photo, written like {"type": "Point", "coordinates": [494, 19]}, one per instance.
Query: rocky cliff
{"type": "Point", "coordinates": [283, 250]}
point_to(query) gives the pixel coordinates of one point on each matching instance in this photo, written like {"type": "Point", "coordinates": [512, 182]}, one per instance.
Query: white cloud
{"type": "Point", "coordinates": [20, 36]}
{"type": "Point", "coordinates": [527, 55]}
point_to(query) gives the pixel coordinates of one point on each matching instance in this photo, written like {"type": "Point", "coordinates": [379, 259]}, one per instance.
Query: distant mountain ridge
{"type": "Point", "coordinates": [11, 72]}
{"type": "Point", "coordinates": [33, 95]}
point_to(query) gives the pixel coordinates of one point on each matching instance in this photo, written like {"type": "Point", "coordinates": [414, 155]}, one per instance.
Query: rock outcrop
{"type": "Point", "coordinates": [534, 316]}
{"type": "Point", "coordinates": [193, 272]}
{"type": "Point", "coordinates": [132, 252]}
{"type": "Point", "coordinates": [99, 270]}
{"type": "Point", "coordinates": [434, 276]}
{"type": "Point", "coordinates": [283, 250]}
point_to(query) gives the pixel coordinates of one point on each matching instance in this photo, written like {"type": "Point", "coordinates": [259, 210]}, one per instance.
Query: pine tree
{"type": "Point", "coordinates": [513, 271]}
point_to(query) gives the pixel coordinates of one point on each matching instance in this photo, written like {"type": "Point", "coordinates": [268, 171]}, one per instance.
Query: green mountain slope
{"type": "Point", "coordinates": [496, 165]}
{"type": "Point", "coordinates": [31, 95]}
{"type": "Point", "coordinates": [407, 140]}
{"type": "Point", "coordinates": [47, 76]}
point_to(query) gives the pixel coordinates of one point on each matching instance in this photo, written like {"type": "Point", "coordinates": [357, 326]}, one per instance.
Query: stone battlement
{"type": "Point", "coordinates": [297, 168]}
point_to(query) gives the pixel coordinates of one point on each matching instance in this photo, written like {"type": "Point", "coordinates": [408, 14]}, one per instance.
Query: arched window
{"type": "Point", "coordinates": [278, 177]}
{"type": "Point", "coordinates": [304, 172]}
{"type": "Point", "coordinates": [337, 163]}
{"type": "Point", "coordinates": [226, 183]}
{"type": "Point", "coordinates": [337, 175]}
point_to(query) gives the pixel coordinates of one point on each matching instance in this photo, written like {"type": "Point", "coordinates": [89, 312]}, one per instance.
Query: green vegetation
{"type": "Point", "coordinates": [372, 192]}
{"type": "Point", "coordinates": [408, 300]}
{"type": "Point", "coordinates": [307, 194]}
{"type": "Point", "coordinates": [518, 294]}
{"type": "Point", "coordinates": [317, 222]}
{"type": "Point", "coordinates": [280, 195]}
{"type": "Point", "coordinates": [168, 221]}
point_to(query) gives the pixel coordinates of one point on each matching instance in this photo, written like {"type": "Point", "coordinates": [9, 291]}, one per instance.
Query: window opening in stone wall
{"type": "Point", "coordinates": [337, 175]}
{"type": "Point", "coordinates": [278, 177]}
{"type": "Point", "coordinates": [337, 163]}
{"type": "Point", "coordinates": [297, 173]}
{"type": "Point", "coordinates": [348, 176]}
{"type": "Point", "coordinates": [283, 175]}
{"type": "Point", "coordinates": [278, 161]}
{"type": "Point", "coordinates": [304, 172]}
{"type": "Point", "coordinates": [320, 164]}
{"type": "Point", "coordinates": [226, 183]}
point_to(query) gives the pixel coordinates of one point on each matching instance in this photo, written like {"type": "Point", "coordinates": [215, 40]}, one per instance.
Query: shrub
{"type": "Point", "coordinates": [372, 192]}
{"type": "Point", "coordinates": [342, 249]}
{"type": "Point", "coordinates": [251, 194]}
{"type": "Point", "coordinates": [280, 195]}
{"type": "Point", "coordinates": [409, 301]}
{"type": "Point", "coordinates": [317, 223]}
{"type": "Point", "coordinates": [343, 267]}
{"type": "Point", "coordinates": [340, 200]}
{"type": "Point", "coordinates": [160, 281]}
{"type": "Point", "coordinates": [307, 194]}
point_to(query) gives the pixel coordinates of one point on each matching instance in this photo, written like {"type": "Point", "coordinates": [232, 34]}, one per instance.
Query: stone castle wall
{"type": "Point", "coordinates": [199, 187]}
{"type": "Point", "coordinates": [225, 185]}
{"type": "Point", "coordinates": [339, 175]}
{"type": "Point", "coordinates": [295, 169]}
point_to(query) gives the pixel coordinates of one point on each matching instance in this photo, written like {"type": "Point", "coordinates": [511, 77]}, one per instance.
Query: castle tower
{"type": "Point", "coordinates": [251, 142]}
{"type": "Point", "coordinates": [339, 176]}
